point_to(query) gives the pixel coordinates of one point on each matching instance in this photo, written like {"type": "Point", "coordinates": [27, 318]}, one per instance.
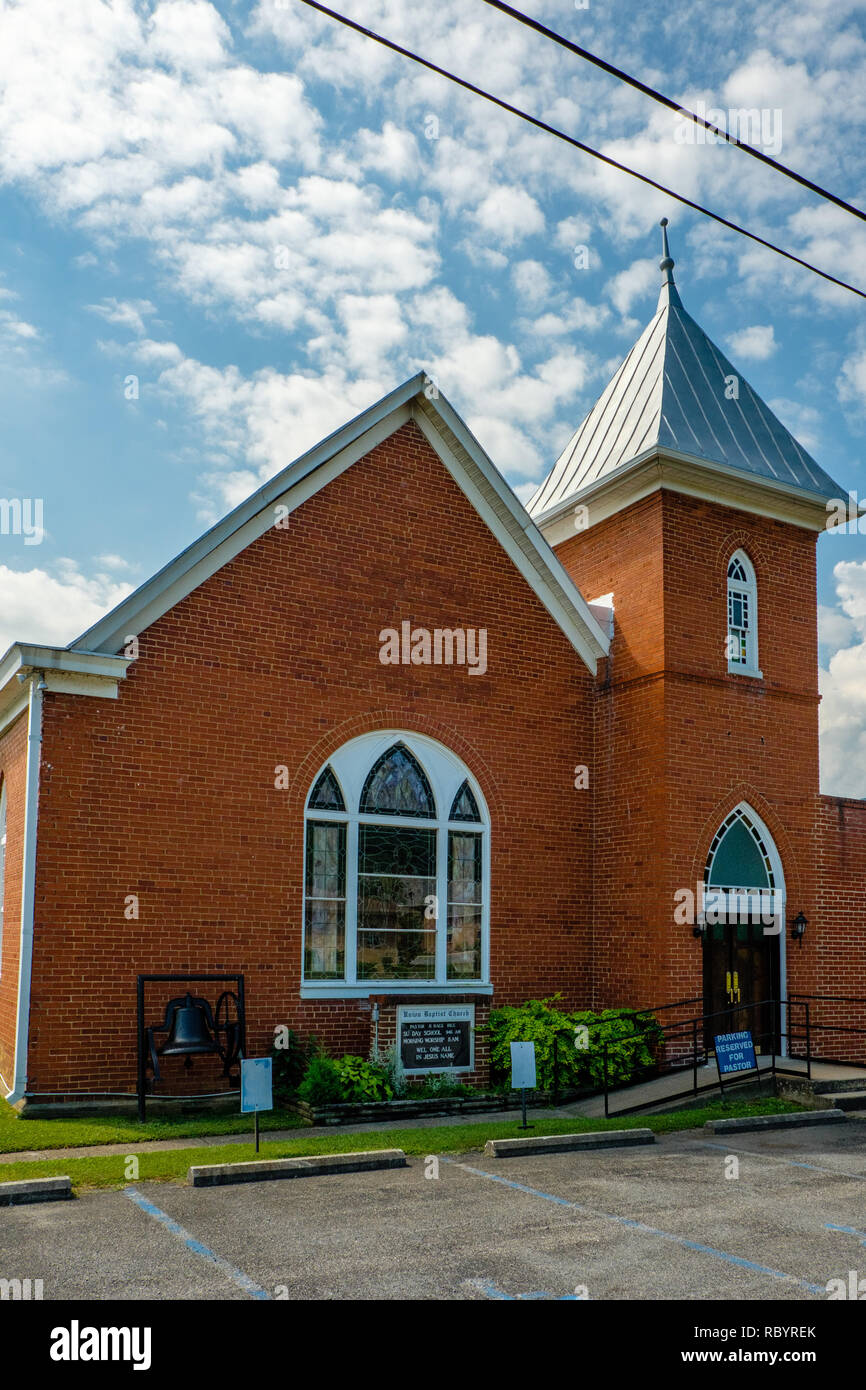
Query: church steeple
{"type": "Point", "coordinates": [678, 400]}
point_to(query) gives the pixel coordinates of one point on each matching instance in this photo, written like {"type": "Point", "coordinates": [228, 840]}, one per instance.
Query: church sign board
{"type": "Point", "coordinates": [436, 1037]}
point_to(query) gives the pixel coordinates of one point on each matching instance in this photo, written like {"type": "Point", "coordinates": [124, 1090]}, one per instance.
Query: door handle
{"type": "Point", "coordinates": [737, 986]}
{"type": "Point", "coordinates": [728, 989]}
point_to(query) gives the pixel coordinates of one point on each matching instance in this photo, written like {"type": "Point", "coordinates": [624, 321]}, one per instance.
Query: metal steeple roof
{"type": "Point", "coordinates": [671, 394]}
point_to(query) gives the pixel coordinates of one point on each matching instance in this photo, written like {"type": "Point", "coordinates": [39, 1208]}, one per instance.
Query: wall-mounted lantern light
{"type": "Point", "coordinates": [798, 927]}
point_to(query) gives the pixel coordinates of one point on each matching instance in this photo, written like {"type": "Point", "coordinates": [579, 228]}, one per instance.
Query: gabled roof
{"type": "Point", "coordinates": [460, 453]}
{"type": "Point", "coordinates": [673, 394]}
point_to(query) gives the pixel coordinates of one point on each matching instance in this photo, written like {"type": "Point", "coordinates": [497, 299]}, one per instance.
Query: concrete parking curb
{"type": "Point", "coordinates": [14, 1194]}
{"type": "Point", "coordinates": [568, 1143]}
{"type": "Point", "coordinates": [755, 1123]}
{"type": "Point", "coordinates": [315, 1166]}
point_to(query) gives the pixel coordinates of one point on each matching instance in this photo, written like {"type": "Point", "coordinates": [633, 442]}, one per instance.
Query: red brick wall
{"type": "Point", "coordinates": [679, 742]}
{"type": "Point", "coordinates": [13, 773]}
{"type": "Point", "coordinates": [168, 792]}
{"type": "Point", "coordinates": [838, 929]}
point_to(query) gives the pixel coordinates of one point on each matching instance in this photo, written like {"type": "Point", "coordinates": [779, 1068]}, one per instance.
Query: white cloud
{"type": "Point", "coordinates": [532, 283]}
{"type": "Point", "coordinates": [509, 215]}
{"type": "Point", "coordinates": [633, 283]}
{"type": "Point", "coordinates": [802, 420]}
{"type": "Point", "coordinates": [843, 687]}
{"type": "Point", "coordinates": [851, 384]}
{"type": "Point", "coordinates": [393, 151]}
{"type": "Point", "coordinates": [13, 328]}
{"type": "Point", "coordinates": [115, 562]}
{"type": "Point", "coordinates": [53, 607]}
{"type": "Point", "coordinates": [125, 313]}
{"type": "Point", "coordinates": [188, 34]}
{"type": "Point", "coordinates": [755, 344]}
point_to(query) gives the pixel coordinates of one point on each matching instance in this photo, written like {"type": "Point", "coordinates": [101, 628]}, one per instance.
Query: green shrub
{"type": "Point", "coordinates": [630, 1041]}
{"type": "Point", "coordinates": [322, 1084]}
{"type": "Point", "coordinates": [290, 1063]}
{"type": "Point", "coordinates": [440, 1086]}
{"type": "Point", "coordinates": [363, 1081]}
{"type": "Point", "coordinates": [397, 1078]}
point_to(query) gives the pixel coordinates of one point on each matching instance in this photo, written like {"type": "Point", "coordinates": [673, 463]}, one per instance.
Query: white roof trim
{"type": "Point", "coordinates": [66, 671]}
{"type": "Point", "coordinates": [663, 468]}
{"type": "Point", "coordinates": [465, 460]}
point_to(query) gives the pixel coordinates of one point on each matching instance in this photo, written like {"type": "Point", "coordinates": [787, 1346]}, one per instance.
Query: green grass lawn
{"type": "Point", "coordinates": [112, 1170]}
{"type": "Point", "coordinates": [17, 1134]}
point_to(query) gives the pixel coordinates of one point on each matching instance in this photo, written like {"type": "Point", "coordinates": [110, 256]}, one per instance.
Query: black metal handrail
{"type": "Point", "coordinates": [798, 995]}
{"type": "Point", "coordinates": [603, 1022]}
{"type": "Point", "coordinates": [795, 1033]}
{"type": "Point", "coordinates": [692, 1025]}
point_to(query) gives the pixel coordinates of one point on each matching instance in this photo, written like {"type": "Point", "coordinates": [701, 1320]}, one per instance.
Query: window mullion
{"type": "Point", "coordinates": [441, 901]}
{"type": "Point", "coordinates": [352, 901]}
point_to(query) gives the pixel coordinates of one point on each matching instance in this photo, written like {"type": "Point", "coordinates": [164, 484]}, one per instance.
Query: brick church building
{"type": "Point", "coordinates": [385, 737]}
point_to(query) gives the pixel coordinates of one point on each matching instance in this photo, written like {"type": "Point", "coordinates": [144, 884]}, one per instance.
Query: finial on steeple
{"type": "Point", "coordinates": [666, 264]}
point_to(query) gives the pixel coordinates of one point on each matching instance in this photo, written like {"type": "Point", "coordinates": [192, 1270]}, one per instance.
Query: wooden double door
{"type": "Point", "coordinates": [741, 982]}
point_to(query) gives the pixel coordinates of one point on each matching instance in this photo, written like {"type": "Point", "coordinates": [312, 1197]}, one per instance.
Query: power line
{"type": "Point", "coordinates": [577, 144]}
{"type": "Point", "coordinates": [674, 106]}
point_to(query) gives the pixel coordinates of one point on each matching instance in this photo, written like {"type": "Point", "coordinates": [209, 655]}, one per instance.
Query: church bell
{"type": "Point", "coordinates": [190, 1034]}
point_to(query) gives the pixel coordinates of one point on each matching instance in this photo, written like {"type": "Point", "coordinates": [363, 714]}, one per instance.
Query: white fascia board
{"type": "Point", "coordinates": [711, 482]}
{"type": "Point", "coordinates": [64, 671]}
{"type": "Point", "coordinates": [289, 488]}
{"type": "Point", "coordinates": [515, 530]}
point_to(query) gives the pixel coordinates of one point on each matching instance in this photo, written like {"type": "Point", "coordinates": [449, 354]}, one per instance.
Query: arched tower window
{"type": "Point", "coordinates": [742, 640]}
{"type": "Point", "coordinates": [396, 870]}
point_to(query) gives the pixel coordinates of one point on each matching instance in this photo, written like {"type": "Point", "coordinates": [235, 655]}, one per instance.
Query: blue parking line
{"type": "Point", "coordinates": [643, 1229]}
{"type": "Point", "coordinates": [849, 1231]}
{"type": "Point", "coordinates": [236, 1275]}
{"type": "Point", "coordinates": [491, 1290]}
{"type": "Point", "coordinates": [777, 1158]}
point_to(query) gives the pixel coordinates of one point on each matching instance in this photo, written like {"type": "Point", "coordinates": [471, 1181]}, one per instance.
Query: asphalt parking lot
{"type": "Point", "coordinates": [658, 1222]}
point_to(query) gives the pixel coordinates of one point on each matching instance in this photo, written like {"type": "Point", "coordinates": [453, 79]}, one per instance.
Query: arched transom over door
{"type": "Point", "coordinates": [743, 937]}
{"type": "Point", "coordinates": [396, 871]}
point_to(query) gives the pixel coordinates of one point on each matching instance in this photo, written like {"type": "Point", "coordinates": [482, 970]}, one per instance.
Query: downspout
{"type": "Point", "coordinates": [28, 884]}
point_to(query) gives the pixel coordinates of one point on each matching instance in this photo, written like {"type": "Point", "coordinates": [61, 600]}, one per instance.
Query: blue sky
{"type": "Point", "coordinates": [269, 222]}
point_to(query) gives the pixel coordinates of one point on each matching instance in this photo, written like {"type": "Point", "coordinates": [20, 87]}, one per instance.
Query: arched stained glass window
{"type": "Point", "coordinates": [397, 786]}
{"type": "Point", "coordinates": [738, 857]}
{"type": "Point", "coordinates": [464, 806]}
{"type": "Point", "coordinates": [395, 883]}
{"type": "Point", "coordinates": [326, 794]}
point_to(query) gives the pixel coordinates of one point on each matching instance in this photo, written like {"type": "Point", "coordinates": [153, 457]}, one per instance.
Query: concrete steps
{"type": "Point", "coordinates": [843, 1100]}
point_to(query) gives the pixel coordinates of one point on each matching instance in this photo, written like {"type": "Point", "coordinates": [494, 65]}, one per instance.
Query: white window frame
{"type": "Point", "coordinates": [446, 774]}
{"type": "Point", "coordinates": [748, 588]}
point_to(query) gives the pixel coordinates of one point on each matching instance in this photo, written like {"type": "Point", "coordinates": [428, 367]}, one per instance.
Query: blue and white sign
{"type": "Point", "coordinates": [735, 1052]}
{"type": "Point", "coordinates": [256, 1085]}
{"type": "Point", "coordinates": [523, 1066]}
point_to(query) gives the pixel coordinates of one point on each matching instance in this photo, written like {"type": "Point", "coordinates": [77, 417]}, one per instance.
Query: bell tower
{"type": "Point", "coordinates": [685, 503]}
